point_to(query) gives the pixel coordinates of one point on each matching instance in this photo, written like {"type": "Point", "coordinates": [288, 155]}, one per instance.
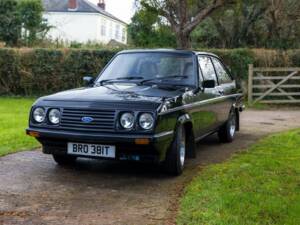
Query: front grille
{"type": "Point", "coordinates": [103, 120]}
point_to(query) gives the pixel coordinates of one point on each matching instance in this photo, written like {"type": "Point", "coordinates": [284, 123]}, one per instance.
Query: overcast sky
{"type": "Point", "coordinates": [122, 9]}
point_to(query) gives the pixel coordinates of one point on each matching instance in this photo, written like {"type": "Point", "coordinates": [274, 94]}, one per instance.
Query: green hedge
{"type": "Point", "coordinates": [44, 71]}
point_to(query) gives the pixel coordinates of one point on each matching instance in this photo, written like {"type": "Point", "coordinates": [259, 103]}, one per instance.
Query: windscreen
{"type": "Point", "coordinates": [177, 68]}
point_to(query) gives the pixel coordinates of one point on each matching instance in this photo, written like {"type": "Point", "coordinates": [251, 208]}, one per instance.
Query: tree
{"type": "Point", "coordinates": [21, 20]}
{"type": "Point", "coordinates": [147, 29]}
{"type": "Point", "coordinates": [31, 14]}
{"type": "Point", "coordinates": [252, 23]}
{"type": "Point", "coordinates": [236, 24]}
{"type": "Point", "coordinates": [10, 26]}
{"type": "Point", "coordinates": [183, 15]}
{"type": "Point", "coordinates": [282, 23]}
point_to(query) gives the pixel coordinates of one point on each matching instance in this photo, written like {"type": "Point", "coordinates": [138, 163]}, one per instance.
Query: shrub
{"type": "Point", "coordinates": [44, 71]}
{"type": "Point", "coordinates": [237, 60]}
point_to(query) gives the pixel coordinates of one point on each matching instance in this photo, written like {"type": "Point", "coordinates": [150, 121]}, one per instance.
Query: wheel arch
{"type": "Point", "coordinates": [187, 123]}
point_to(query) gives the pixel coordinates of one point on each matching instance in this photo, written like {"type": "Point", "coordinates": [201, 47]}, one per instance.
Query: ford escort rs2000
{"type": "Point", "coordinates": [145, 105]}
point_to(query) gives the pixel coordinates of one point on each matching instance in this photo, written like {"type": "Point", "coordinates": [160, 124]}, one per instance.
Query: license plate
{"type": "Point", "coordinates": [80, 149]}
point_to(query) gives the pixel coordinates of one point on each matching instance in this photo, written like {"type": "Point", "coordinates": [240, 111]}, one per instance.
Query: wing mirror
{"type": "Point", "coordinates": [209, 84]}
{"type": "Point", "coordinates": [88, 81]}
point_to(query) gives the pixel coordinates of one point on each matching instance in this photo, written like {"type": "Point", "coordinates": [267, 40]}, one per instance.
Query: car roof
{"type": "Point", "coordinates": [168, 51]}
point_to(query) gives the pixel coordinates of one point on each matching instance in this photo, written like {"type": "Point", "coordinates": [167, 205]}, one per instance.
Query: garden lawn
{"type": "Point", "coordinates": [14, 114]}
{"type": "Point", "coordinates": [259, 186]}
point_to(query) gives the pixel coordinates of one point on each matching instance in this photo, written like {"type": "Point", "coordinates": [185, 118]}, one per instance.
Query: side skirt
{"type": "Point", "coordinates": [206, 135]}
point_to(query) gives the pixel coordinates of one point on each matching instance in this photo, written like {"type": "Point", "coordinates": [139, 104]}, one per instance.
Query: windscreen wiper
{"type": "Point", "coordinates": [162, 78]}
{"type": "Point", "coordinates": [120, 79]}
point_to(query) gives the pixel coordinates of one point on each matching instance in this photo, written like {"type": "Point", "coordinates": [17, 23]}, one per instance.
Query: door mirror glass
{"type": "Point", "coordinates": [209, 84]}
{"type": "Point", "coordinates": [88, 81]}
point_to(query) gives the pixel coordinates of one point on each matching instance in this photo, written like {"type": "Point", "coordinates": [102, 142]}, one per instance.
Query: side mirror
{"type": "Point", "coordinates": [209, 84]}
{"type": "Point", "coordinates": [88, 81]}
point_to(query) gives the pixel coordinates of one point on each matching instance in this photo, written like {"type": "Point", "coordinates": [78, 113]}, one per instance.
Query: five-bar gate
{"type": "Point", "coordinates": [273, 85]}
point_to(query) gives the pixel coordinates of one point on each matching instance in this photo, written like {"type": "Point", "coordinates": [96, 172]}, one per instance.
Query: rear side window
{"type": "Point", "coordinates": [221, 72]}
{"type": "Point", "coordinates": [207, 68]}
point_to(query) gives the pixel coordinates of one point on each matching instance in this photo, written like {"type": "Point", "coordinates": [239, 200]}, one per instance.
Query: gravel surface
{"type": "Point", "coordinates": [34, 190]}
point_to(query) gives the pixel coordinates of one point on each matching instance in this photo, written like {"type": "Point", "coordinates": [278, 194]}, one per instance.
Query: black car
{"type": "Point", "coordinates": [146, 105]}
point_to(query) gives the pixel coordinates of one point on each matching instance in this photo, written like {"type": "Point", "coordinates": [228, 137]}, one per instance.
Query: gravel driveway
{"type": "Point", "coordinates": [34, 190]}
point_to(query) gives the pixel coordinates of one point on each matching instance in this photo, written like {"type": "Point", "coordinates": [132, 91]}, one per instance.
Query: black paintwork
{"type": "Point", "coordinates": [202, 110]}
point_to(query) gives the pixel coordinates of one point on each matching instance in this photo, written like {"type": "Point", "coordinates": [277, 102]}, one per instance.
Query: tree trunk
{"type": "Point", "coordinates": [183, 40]}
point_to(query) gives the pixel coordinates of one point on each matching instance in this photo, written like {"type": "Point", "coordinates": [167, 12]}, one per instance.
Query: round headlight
{"type": "Point", "coordinates": [127, 120]}
{"type": "Point", "coordinates": [39, 115]}
{"type": "Point", "coordinates": [54, 116]}
{"type": "Point", "coordinates": [146, 121]}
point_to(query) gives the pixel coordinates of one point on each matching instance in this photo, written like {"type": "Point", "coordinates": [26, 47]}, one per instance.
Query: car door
{"type": "Point", "coordinates": [226, 87]}
{"type": "Point", "coordinates": [208, 116]}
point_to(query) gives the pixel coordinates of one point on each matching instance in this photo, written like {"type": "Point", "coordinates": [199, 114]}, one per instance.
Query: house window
{"type": "Point", "coordinates": [110, 30]}
{"type": "Point", "coordinates": [103, 27]}
{"type": "Point", "coordinates": [123, 34]}
{"type": "Point", "coordinates": [117, 34]}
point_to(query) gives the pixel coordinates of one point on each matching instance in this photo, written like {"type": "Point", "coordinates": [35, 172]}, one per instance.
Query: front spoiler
{"type": "Point", "coordinates": [100, 137]}
{"type": "Point", "coordinates": [128, 145]}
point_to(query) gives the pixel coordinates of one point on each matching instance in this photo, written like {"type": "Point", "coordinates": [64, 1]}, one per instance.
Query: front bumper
{"type": "Point", "coordinates": [144, 147]}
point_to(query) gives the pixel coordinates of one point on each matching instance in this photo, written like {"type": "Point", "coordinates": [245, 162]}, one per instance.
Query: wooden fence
{"type": "Point", "coordinates": [273, 85]}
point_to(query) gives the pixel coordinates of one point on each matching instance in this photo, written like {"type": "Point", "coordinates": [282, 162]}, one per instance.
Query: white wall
{"type": "Point", "coordinates": [83, 27]}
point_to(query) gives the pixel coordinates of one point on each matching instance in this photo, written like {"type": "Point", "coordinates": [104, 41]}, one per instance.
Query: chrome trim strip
{"type": "Point", "coordinates": [191, 105]}
{"type": "Point", "coordinates": [162, 134]}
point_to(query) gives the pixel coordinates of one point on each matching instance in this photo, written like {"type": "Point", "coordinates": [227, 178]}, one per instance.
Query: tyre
{"type": "Point", "coordinates": [176, 155]}
{"type": "Point", "coordinates": [63, 160]}
{"type": "Point", "coordinates": [227, 131]}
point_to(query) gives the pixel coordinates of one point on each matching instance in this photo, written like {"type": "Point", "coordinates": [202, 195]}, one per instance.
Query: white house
{"type": "Point", "coordinates": [81, 21]}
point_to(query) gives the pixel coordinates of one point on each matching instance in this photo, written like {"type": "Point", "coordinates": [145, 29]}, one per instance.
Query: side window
{"type": "Point", "coordinates": [221, 72]}
{"type": "Point", "coordinates": [103, 27]}
{"type": "Point", "coordinates": [207, 68]}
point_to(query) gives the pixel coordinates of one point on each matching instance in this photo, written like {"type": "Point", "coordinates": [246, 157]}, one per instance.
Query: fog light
{"type": "Point", "coordinates": [142, 141]}
{"type": "Point", "coordinates": [34, 134]}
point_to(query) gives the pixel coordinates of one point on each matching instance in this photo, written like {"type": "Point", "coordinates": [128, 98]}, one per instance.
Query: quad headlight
{"type": "Point", "coordinates": [146, 121]}
{"type": "Point", "coordinates": [127, 120]}
{"type": "Point", "coordinates": [54, 116]}
{"type": "Point", "coordinates": [39, 115]}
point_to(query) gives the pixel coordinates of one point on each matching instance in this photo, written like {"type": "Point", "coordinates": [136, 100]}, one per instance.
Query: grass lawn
{"type": "Point", "coordinates": [14, 114]}
{"type": "Point", "coordinates": [259, 186]}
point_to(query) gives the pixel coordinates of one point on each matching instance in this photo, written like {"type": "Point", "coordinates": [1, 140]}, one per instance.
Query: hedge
{"type": "Point", "coordinates": [34, 72]}
{"type": "Point", "coordinates": [44, 71]}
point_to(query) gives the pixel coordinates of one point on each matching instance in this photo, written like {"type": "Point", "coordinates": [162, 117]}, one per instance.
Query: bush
{"type": "Point", "coordinates": [44, 71]}
{"type": "Point", "coordinates": [238, 61]}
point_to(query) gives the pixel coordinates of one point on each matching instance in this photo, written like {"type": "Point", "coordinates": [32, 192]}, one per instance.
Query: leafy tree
{"type": "Point", "coordinates": [148, 30]}
{"type": "Point", "coordinates": [235, 24]}
{"type": "Point", "coordinates": [252, 23]}
{"type": "Point", "coordinates": [31, 14]}
{"type": "Point", "coordinates": [21, 20]}
{"type": "Point", "coordinates": [184, 15]}
{"type": "Point", "coordinates": [10, 26]}
{"type": "Point", "coordinates": [282, 24]}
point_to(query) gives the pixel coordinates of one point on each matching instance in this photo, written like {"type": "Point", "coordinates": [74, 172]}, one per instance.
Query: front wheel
{"type": "Point", "coordinates": [176, 156]}
{"type": "Point", "coordinates": [227, 131]}
{"type": "Point", "coordinates": [64, 160]}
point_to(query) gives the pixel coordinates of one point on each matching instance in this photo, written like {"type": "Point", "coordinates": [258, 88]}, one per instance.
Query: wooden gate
{"type": "Point", "coordinates": [273, 85]}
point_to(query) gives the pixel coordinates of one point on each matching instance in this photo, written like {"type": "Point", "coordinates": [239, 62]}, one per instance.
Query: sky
{"type": "Point", "coordinates": [122, 9]}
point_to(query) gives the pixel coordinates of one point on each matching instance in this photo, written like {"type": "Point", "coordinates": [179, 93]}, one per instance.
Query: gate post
{"type": "Point", "coordinates": [250, 84]}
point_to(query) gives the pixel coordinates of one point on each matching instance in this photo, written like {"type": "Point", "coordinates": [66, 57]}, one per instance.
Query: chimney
{"type": "Point", "coordinates": [72, 5]}
{"type": "Point", "coordinates": [101, 4]}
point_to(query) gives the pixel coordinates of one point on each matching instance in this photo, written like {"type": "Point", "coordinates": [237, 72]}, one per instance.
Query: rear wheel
{"type": "Point", "coordinates": [176, 156]}
{"type": "Point", "coordinates": [227, 131]}
{"type": "Point", "coordinates": [63, 160]}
